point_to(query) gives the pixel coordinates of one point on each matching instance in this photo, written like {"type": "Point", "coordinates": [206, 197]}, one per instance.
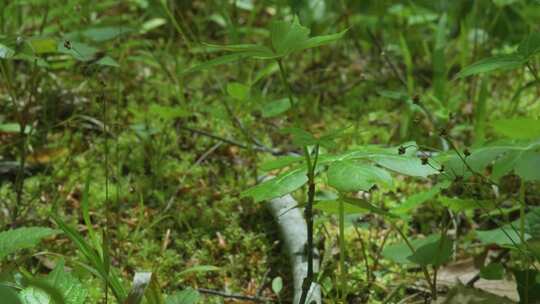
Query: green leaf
{"type": "Point", "coordinates": [524, 163]}
{"type": "Point", "coordinates": [6, 52]}
{"type": "Point", "coordinates": [279, 186]}
{"type": "Point", "coordinates": [348, 176]}
{"type": "Point", "coordinates": [517, 128]}
{"type": "Point", "coordinates": [22, 238]}
{"type": "Point", "coordinates": [321, 40]}
{"type": "Point", "coordinates": [401, 252]}
{"type": "Point", "coordinates": [417, 199]}
{"type": "Point", "coordinates": [167, 113]}
{"type": "Point", "coordinates": [286, 36]}
{"type": "Point", "coordinates": [238, 91]}
{"type": "Point", "coordinates": [78, 50]}
{"type": "Point", "coordinates": [435, 252]}
{"type": "Point", "coordinates": [70, 287]}
{"type": "Point", "coordinates": [277, 285]}
{"type": "Point", "coordinates": [215, 62]}
{"type": "Point", "coordinates": [406, 165]}
{"type": "Point", "coordinates": [280, 162]}
{"type": "Point", "coordinates": [501, 62]}
{"type": "Point", "coordinates": [186, 296]}
{"type": "Point", "coordinates": [332, 207]}
{"type": "Point", "coordinates": [198, 269]}
{"type": "Point", "coordinates": [275, 108]}
{"type": "Point", "coordinates": [530, 45]}
{"type": "Point", "coordinates": [100, 34]}
{"type": "Point", "coordinates": [43, 45]}
{"type": "Point", "coordinates": [8, 295]}
{"type": "Point", "coordinates": [32, 295]}
{"type": "Point", "coordinates": [249, 50]}
{"type": "Point", "coordinates": [108, 61]}
{"type": "Point", "coordinates": [14, 128]}
{"type": "Point", "coordinates": [500, 236]}
{"type": "Point", "coordinates": [493, 271]}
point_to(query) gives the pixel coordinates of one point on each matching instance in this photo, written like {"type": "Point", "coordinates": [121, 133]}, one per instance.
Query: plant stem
{"type": "Point", "coordinates": [308, 214]}
{"type": "Point", "coordinates": [285, 82]}
{"type": "Point", "coordinates": [342, 251]}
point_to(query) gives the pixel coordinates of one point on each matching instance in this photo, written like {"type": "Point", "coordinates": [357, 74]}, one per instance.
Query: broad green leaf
{"type": "Point", "coordinates": [186, 296]}
{"type": "Point", "coordinates": [280, 162]}
{"type": "Point", "coordinates": [406, 165]}
{"type": "Point", "coordinates": [8, 295]}
{"type": "Point", "coordinates": [524, 163]}
{"type": "Point", "coordinates": [100, 34]}
{"type": "Point", "coordinates": [530, 45]}
{"type": "Point", "coordinates": [6, 52]}
{"type": "Point", "coordinates": [501, 62]}
{"type": "Point", "coordinates": [517, 128]}
{"type": "Point", "coordinates": [279, 186]}
{"type": "Point", "coordinates": [78, 50]}
{"type": "Point", "coordinates": [493, 271]}
{"type": "Point", "coordinates": [198, 269]}
{"type": "Point", "coordinates": [458, 204]}
{"type": "Point", "coordinates": [287, 37]}
{"type": "Point", "coordinates": [32, 295]}
{"type": "Point", "coordinates": [500, 236]}
{"type": "Point", "coordinates": [436, 252]}
{"type": "Point", "coordinates": [417, 199]}
{"type": "Point", "coordinates": [332, 207]}
{"type": "Point", "coordinates": [238, 91]}
{"type": "Point", "coordinates": [22, 238]}
{"type": "Point", "coordinates": [108, 61]}
{"type": "Point", "coordinates": [43, 45]}
{"type": "Point", "coordinates": [70, 287]}
{"type": "Point", "coordinates": [277, 285]}
{"type": "Point", "coordinates": [275, 108]}
{"type": "Point", "coordinates": [401, 252]}
{"type": "Point", "coordinates": [348, 176]}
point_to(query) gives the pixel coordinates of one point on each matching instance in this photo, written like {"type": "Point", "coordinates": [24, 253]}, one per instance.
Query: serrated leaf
{"type": "Point", "coordinates": [70, 287]}
{"type": "Point", "coordinates": [348, 176]}
{"type": "Point", "coordinates": [279, 186]}
{"type": "Point", "coordinates": [501, 62]}
{"type": "Point", "coordinates": [22, 238]}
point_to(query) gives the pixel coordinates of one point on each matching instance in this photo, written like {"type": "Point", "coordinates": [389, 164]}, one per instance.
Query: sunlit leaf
{"type": "Point", "coordinates": [22, 238]}
{"type": "Point", "coordinates": [348, 176]}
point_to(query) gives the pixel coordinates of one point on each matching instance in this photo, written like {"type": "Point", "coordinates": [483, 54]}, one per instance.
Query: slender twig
{"type": "Point", "coordinates": [234, 142]}
{"type": "Point", "coordinates": [234, 296]}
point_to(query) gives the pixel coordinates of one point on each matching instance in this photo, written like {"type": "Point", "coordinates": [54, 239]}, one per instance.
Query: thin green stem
{"type": "Point", "coordinates": [342, 251]}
